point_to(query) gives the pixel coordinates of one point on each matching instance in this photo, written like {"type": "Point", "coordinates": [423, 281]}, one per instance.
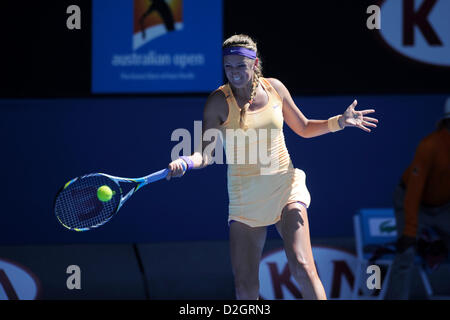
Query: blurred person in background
{"type": "Point", "coordinates": [422, 209]}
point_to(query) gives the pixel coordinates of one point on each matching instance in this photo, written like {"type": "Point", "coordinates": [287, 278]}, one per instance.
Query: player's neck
{"type": "Point", "coordinates": [242, 94]}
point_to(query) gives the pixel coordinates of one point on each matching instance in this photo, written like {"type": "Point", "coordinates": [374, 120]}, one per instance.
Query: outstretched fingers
{"type": "Point", "coordinates": [369, 124]}
{"type": "Point", "coordinates": [363, 128]}
{"type": "Point", "coordinates": [370, 119]}
{"type": "Point", "coordinates": [367, 111]}
{"type": "Point", "coordinates": [353, 105]}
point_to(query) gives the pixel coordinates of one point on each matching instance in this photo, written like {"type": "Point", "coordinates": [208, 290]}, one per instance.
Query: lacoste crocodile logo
{"type": "Point", "coordinates": [387, 227]}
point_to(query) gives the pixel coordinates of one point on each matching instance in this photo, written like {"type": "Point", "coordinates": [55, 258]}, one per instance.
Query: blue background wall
{"type": "Point", "coordinates": [47, 142]}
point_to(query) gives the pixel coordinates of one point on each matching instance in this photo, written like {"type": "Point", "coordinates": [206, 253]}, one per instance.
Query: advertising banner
{"type": "Point", "coordinates": [150, 46]}
{"type": "Point", "coordinates": [336, 268]}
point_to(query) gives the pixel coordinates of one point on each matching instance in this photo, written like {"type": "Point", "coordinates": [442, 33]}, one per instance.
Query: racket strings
{"type": "Point", "coordinates": [78, 207]}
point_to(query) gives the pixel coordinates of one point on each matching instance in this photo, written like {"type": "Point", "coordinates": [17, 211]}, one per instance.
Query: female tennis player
{"type": "Point", "coordinates": [279, 196]}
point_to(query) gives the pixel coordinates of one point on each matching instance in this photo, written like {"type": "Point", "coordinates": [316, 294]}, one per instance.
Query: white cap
{"type": "Point", "coordinates": [447, 109]}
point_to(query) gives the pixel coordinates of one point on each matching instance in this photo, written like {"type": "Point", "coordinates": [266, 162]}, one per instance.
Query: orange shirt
{"type": "Point", "coordinates": [427, 179]}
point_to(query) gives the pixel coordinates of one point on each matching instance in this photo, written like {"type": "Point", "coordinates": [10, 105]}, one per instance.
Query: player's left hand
{"type": "Point", "coordinates": [353, 118]}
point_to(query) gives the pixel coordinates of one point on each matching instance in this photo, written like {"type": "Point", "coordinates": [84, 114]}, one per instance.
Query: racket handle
{"type": "Point", "coordinates": [161, 174]}
{"type": "Point", "coordinates": [183, 164]}
{"type": "Point", "coordinates": [165, 172]}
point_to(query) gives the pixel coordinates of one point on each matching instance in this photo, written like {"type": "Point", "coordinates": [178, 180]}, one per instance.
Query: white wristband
{"type": "Point", "coordinates": [333, 124]}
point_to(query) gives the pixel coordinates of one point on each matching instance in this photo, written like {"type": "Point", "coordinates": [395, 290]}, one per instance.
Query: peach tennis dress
{"type": "Point", "coordinates": [259, 189]}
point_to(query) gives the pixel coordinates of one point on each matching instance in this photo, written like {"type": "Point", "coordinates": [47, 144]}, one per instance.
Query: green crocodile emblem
{"type": "Point", "coordinates": [387, 227]}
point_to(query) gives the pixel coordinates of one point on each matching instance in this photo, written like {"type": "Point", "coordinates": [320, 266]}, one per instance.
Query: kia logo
{"type": "Point", "coordinates": [17, 282]}
{"type": "Point", "coordinates": [418, 29]}
{"type": "Point", "coordinates": [336, 268]}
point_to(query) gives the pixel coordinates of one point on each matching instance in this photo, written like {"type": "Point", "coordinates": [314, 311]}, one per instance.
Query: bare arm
{"type": "Point", "coordinates": [308, 128]}
{"type": "Point", "coordinates": [215, 111]}
{"type": "Point", "coordinates": [294, 118]}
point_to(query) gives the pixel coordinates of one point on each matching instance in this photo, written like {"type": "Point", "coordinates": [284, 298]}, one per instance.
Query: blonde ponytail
{"type": "Point", "coordinates": [243, 115]}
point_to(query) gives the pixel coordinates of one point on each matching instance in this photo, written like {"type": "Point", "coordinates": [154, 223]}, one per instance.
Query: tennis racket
{"type": "Point", "coordinates": [77, 206]}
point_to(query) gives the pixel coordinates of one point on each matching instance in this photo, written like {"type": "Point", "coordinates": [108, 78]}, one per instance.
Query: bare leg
{"type": "Point", "coordinates": [294, 230]}
{"type": "Point", "coordinates": [246, 245]}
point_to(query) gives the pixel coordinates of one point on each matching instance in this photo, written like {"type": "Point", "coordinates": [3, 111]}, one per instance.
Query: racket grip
{"type": "Point", "coordinates": [157, 176]}
{"type": "Point", "coordinates": [183, 164]}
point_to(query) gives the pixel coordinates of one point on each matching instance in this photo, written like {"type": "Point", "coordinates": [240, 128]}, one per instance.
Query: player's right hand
{"type": "Point", "coordinates": [176, 169]}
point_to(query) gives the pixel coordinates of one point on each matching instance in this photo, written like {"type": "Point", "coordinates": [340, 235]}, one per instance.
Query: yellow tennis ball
{"type": "Point", "coordinates": [104, 193]}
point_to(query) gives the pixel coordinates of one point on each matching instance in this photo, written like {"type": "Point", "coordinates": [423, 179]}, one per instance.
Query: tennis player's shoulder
{"type": "Point", "coordinates": [277, 85]}
{"type": "Point", "coordinates": [216, 106]}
